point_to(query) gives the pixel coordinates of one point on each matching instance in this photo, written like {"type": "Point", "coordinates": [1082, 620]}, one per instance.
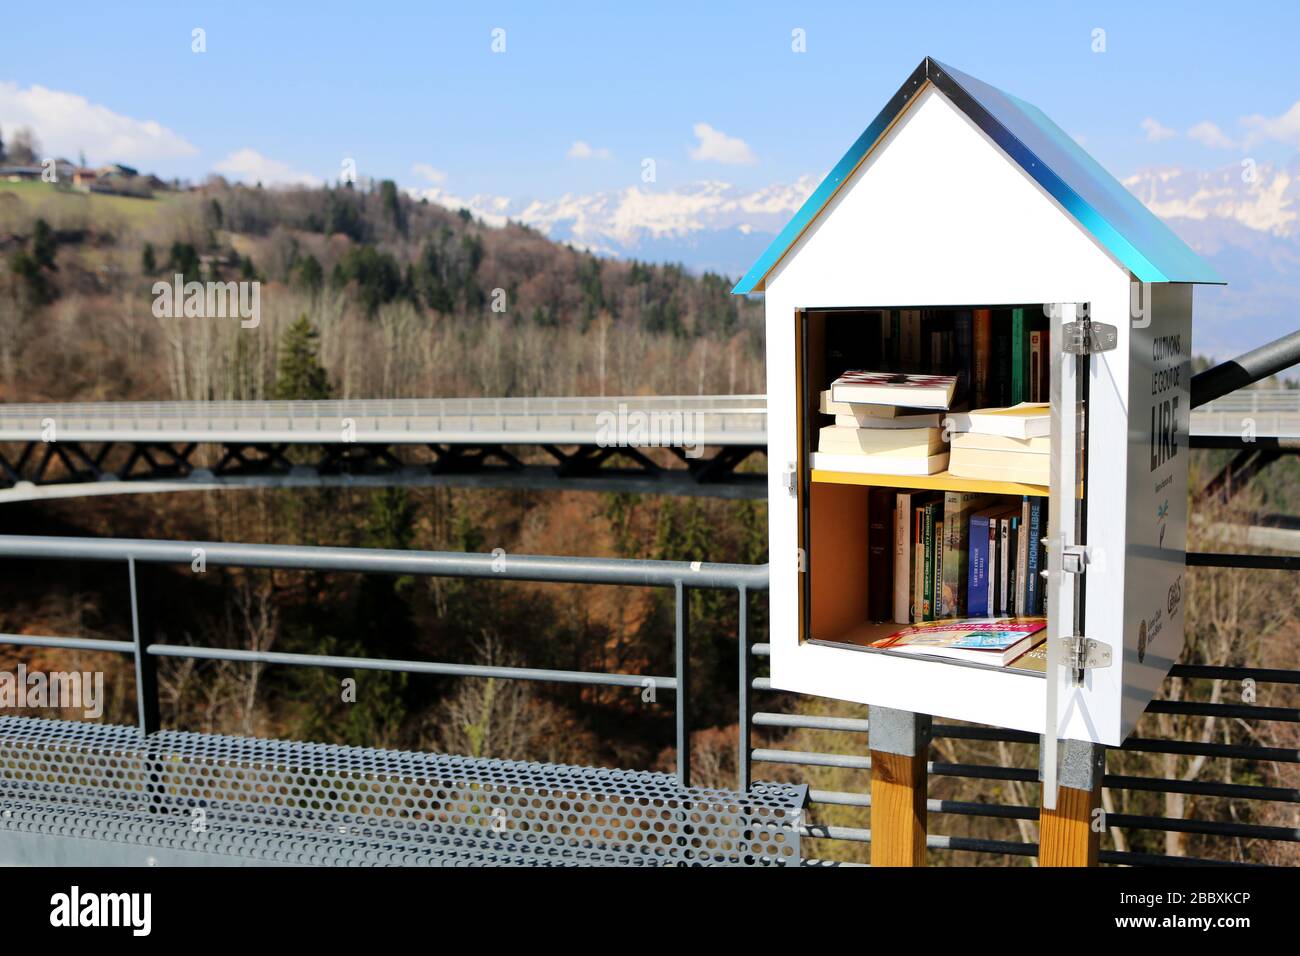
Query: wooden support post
{"type": "Point", "coordinates": [900, 745]}
{"type": "Point", "coordinates": [1070, 835]}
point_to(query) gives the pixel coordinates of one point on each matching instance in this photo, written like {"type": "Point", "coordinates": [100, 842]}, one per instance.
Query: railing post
{"type": "Point", "coordinates": [682, 614]}
{"type": "Point", "coordinates": [743, 695]}
{"type": "Point", "coordinates": [1070, 834]}
{"type": "Point", "coordinates": [900, 747]}
{"type": "Point", "coordinates": [146, 668]}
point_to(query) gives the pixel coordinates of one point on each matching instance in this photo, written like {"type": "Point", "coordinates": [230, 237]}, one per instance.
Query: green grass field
{"type": "Point", "coordinates": [50, 202]}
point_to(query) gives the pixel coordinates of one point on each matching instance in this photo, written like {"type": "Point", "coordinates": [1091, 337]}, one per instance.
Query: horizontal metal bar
{"type": "Point", "coordinates": [1196, 708]}
{"type": "Point", "coordinates": [1256, 562]}
{"type": "Point", "coordinates": [1277, 442]}
{"type": "Point", "coordinates": [1202, 788]}
{"type": "Point", "coordinates": [804, 759]}
{"type": "Point", "coordinates": [1227, 828]}
{"type": "Point", "coordinates": [68, 643]}
{"type": "Point", "coordinates": [1195, 748]}
{"type": "Point", "coordinates": [821, 831]}
{"type": "Point", "coordinates": [411, 667]}
{"type": "Point", "coordinates": [970, 809]}
{"type": "Point", "coordinates": [509, 567]}
{"type": "Point", "coordinates": [1127, 858]}
{"type": "Point", "coordinates": [957, 732]}
{"type": "Point", "coordinates": [761, 649]}
{"type": "Point", "coordinates": [982, 771]}
{"type": "Point", "coordinates": [977, 845]}
{"type": "Point", "coordinates": [839, 798]}
{"type": "Point", "coordinates": [809, 722]}
{"type": "Point", "coordinates": [1261, 675]}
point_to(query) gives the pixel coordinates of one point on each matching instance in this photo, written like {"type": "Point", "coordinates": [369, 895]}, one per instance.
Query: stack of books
{"type": "Point", "coordinates": [885, 423]}
{"type": "Point", "coordinates": [1003, 444]}
{"type": "Point", "coordinates": [994, 641]}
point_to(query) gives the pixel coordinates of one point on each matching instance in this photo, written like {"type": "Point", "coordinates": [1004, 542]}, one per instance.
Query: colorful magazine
{"type": "Point", "coordinates": [987, 640]}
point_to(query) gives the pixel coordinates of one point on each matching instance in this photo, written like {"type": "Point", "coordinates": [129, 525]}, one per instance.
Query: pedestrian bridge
{"type": "Point", "coordinates": [692, 444]}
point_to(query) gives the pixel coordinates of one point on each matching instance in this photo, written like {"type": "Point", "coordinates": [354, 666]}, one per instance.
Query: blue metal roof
{"type": "Point", "coordinates": [1098, 202]}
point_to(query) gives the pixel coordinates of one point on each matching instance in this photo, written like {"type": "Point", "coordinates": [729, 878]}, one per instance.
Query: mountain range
{"type": "Point", "coordinates": [1245, 220]}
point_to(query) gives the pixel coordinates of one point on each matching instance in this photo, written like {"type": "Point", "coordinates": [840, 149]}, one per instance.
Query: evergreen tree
{"type": "Point", "coordinates": [310, 273]}
{"type": "Point", "coordinates": [148, 261]}
{"type": "Point", "coordinates": [299, 374]}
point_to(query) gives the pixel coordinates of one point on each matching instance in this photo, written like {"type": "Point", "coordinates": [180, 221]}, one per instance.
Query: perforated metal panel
{"type": "Point", "coordinates": [293, 803]}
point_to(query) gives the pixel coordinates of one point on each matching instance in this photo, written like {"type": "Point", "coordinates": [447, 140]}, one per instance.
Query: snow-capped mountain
{"type": "Point", "coordinates": [707, 225]}
{"type": "Point", "coordinates": [1244, 219]}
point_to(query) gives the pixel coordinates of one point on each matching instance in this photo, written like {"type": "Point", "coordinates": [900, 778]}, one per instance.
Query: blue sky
{"type": "Point", "coordinates": [396, 84]}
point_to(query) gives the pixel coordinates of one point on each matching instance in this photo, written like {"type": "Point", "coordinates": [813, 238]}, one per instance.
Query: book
{"type": "Point", "coordinates": [1022, 560]}
{"type": "Point", "coordinates": [918, 562]}
{"type": "Point", "coordinates": [933, 519]}
{"type": "Point", "coordinates": [963, 352]}
{"type": "Point", "coordinates": [1019, 356]}
{"type": "Point", "coordinates": [880, 554]}
{"type": "Point", "coordinates": [875, 416]}
{"type": "Point", "coordinates": [910, 340]}
{"type": "Point", "coordinates": [904, 554]}
{"type": "Point", "coordinates": [957, 508]}
{"type": "Point", "coordinates": [1034, 659]}
{"type": "Point", "coordinates": [1000, 380]}
{"type": "Point", "coordinates": [1028, 469]}
{"type": "Point", "coordinates": [1033, 579]}
{"type": "Point", "coordinates": [894, 442]}
{"type": "Point", "coordinates": [991, 600]}
{"type": "Point", "coordinates": [978, 570]}
{"type": "Point", "coordinates": [982, 358]}
{"type": "Point", "coordinates": [1037, 367]}
{"type": "Point", "coordinates": [895, 388]}
{"type": "Point", "coordinates": [860, 464]}
{"type": "Point", "coordinates": [1013, 569]}
{"type": "Point", "coordinates": [936, 600]}
{"type": "Point", "coordinates": [988, 640]}
{"type": "Point", "coordinates": [1026, 420]}
{"type": "Point", "coordinates": [1005, 566]}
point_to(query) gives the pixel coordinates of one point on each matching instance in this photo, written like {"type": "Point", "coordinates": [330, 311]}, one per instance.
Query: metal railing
{"type": "Point", "coordinates": [711, 419]}
{"type": "Point", "coordinates": [682, 578]}
{"type": "Point", "coordinates": [679, 576]}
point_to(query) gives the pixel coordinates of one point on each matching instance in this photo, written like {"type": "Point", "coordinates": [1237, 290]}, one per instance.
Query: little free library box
{"type": "Point", "coordinates": [968, 255]}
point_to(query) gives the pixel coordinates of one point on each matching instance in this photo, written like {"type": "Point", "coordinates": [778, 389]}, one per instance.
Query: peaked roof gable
{"type": "Point", "coordinates": [1098, 202]}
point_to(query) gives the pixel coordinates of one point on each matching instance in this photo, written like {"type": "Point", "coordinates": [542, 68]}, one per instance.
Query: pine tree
{"type": "Point", "coordinates": [299, 374]}
{"type": "Point", "coordinates": [148, 261]}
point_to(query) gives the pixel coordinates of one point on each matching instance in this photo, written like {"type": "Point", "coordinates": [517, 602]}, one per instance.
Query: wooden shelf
{"type": "Point", "coordinates": [942, 481]}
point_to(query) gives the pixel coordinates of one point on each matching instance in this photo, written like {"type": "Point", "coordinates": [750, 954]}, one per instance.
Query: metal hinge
{"type": "Point", "coordinates": [1084, 654]}
{"type": "Point", "coordinates": [1086, 337]}
{"type": "Point", "coordinates": [789, 481]}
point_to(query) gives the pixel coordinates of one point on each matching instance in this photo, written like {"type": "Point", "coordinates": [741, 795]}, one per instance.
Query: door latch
{"type": "Point", "coordinates": [790, 481]}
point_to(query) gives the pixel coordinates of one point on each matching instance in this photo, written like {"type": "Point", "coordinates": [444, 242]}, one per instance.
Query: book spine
{"type": "Point", "coordinates": [991, 602]}
{"type": "Point", "coordinates": [964, 354]}
{"type": "Point", "coordinates": [927, 580]}
{"type": "Point", "coordinates": [1013, 569]}
{"type": "Point", "coordinates": [918, 564]}
{"type": "Point", "coordinates": [1004, 539]}
{"type": "Point", "coordinates": [895, 339]}
{"type": "Point", "coordinates": [1000, 383]}
{"type": "Point", "coordinates": [938, 564]}
{"type": "Point", "coordinates": [1022, 559]}
{"type": "Point", "coordinates": [982, 346]}
{"type": "Point", "coordinates": [880, 554]}
{"type": "Point", "coordinates": [1019, 356]}
{"type": "Point", "coordinates": [903, 558]}
{"type": "Point", "coordinates": [1036, 391]}
{"type": "Point", "coordinates": [977, 567]}
{"type": "Point", "coordinates": [1033, 583]}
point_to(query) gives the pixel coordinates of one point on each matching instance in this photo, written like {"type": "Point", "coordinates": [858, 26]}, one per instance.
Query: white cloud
{"type": "Point", "coordinates": [435, 176]}
{"type": "Point", "coordinates": [250, 166]}
{"type": "Point", "coordinates": [716, 146]}
{"type": "Point", "coordinates": [66, 124]}
{"type": "Point", "coordinates": [1208, 134]}
{"type": "Point", "coordinates": [581, 149]}
{"type": "Point", "coordinates": [1157, 131]}
{"type": "Point", "coordinates": [1284, 128]}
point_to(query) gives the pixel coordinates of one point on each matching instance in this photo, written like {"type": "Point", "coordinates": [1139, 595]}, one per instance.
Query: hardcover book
{"type": "Point", "coordinates": [880, 554]}
{"type": "Point", "coordinates": [957, 509]}
{"type": "Point", "coordinates": [895, 388]}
